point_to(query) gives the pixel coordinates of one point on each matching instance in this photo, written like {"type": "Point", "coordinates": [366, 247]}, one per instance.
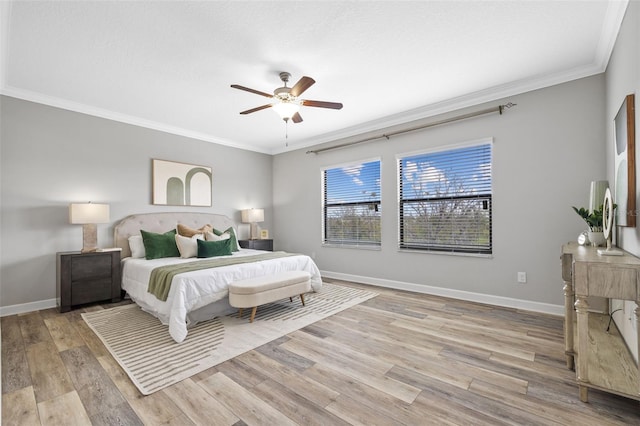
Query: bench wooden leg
{"type": "Point", "coordinates": [253, 313]}
{"type": "Point", "coordinates": [302, 298]}
{"type": "Point", "coordinates": [240, 313]}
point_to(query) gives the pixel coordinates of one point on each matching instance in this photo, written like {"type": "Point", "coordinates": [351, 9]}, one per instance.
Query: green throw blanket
{"type": "Point", "coordinates": [161, 277]}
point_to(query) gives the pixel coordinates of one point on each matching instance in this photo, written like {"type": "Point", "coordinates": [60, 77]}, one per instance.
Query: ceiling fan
{"type": "Point", "coordinates": [286, 100]}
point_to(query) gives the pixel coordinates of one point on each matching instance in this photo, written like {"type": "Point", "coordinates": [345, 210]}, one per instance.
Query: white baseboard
{"type": "Point", "coordinates": [507, 302]}
{"type": "Point", "coordinates": [27, 307]}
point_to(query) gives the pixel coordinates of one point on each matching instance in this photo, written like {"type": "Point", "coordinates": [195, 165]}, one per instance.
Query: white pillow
{"type": "Point", "coordinates": [137, 246]}
{"type": "Point", "coordinates": [188, 246]}
{"type": "Point", "coordinates": [210, 236]}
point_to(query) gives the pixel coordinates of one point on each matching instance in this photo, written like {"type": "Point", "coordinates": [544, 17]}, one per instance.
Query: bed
{"type": "Point", "coordinates": [196, 295]}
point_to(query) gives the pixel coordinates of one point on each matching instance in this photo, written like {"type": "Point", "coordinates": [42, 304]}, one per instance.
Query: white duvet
{"type": "Point", "coordinates": [193, 290]}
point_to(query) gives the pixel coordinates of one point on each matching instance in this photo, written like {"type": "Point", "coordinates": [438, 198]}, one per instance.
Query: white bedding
{"type": "Point", "coordinates": [193, 290]}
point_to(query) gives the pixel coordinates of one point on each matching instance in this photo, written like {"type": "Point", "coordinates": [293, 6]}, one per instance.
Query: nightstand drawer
{"type": "Point", "coordinates": [86, 278]}
{"type": "Point", "coordinates": [90, 267]}
{"type": "Point", "coordinates": [257, 244]}
{"type": "Point", "coordinates": [90, 290]}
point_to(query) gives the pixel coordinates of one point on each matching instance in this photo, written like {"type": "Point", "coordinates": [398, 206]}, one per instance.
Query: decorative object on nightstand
{"type": "Point", "coordinates": [264, 234]}
{"type": "Point", "coordinates": [607, 225]}
{"type": "Point", "coordinates": [583, 238]}
{"type": "Point", "coordinates": [266, 244]}
{"type": "Point", "coordinates": [253, 216]}
{"type": "Point", "coordinates": [87, 278]}
{"type": "Point", "coordinates": [88, 215]}
{"type": "Point", "coordinates": [596, 194]}
{"type": "Point", "coordinates": [593, 214]}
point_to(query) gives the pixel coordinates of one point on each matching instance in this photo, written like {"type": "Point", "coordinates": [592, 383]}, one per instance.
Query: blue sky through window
{"type": "Point", "coordinates": [353, 183]}
{"type": "Point", "coordinates": [461, 171]}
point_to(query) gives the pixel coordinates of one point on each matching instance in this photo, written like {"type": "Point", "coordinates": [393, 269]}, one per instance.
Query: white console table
{"type": "Point", "coordinates": [601, 359]}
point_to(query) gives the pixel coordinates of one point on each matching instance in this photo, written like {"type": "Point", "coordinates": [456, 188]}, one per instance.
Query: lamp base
{"type": "Point", "coordinates": [254, 231]}
{"type": "Point", "coordinates": [89, 237]}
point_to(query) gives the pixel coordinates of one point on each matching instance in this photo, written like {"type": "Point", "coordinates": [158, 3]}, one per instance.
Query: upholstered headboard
{"type": "Point", "coordinates": [163, 222]}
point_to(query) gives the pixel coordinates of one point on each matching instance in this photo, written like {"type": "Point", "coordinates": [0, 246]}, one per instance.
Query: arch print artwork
{"type": "Point", "coordinates": [181, 184]}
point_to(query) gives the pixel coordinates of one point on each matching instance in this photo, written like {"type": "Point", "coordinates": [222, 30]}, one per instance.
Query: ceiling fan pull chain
{"type": "Point", "coordinates": [286, 132]}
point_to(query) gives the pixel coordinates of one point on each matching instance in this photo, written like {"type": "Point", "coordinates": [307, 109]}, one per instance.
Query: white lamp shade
{"type": "Point", "coordinates": [252, 215]}
{"type": "Point", "coordinates": [88, 213]}
{"type": "Point", "coordinates": [286, 110]}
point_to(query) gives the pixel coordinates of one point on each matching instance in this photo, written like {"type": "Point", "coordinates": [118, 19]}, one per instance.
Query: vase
{"type": "Point", "coordinates": [596, 238]}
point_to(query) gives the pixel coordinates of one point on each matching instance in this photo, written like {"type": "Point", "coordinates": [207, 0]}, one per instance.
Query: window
{"type": "Point", "coordinates": [445, 200]}
{"type": "Point", "coordinates": [351, 204]}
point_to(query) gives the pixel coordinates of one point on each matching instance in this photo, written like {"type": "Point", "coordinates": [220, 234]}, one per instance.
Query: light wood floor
{"type": "Point", "coordinates": [400, 358]}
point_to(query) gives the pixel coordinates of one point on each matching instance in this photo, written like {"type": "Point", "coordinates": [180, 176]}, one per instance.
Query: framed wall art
{"type": "Point", "coordinates": [181, 184]}
{"type": "Point", "coordinates": [625, 163]}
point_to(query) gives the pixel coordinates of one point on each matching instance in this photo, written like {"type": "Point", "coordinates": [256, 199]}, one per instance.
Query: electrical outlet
{"type": "Point", "coordinates": [522, 277]}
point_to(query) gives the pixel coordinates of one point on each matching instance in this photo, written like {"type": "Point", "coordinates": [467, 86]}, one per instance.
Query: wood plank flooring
{"type": "Point", "coordinates": [398, 359]}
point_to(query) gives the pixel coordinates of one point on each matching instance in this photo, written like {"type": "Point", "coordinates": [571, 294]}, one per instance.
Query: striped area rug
{"type": "Point", "coordinates": [153, 360]}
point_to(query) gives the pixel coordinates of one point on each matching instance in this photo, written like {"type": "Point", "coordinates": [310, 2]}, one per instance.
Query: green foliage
{"type": "Point", "coordinates": [593, 219]}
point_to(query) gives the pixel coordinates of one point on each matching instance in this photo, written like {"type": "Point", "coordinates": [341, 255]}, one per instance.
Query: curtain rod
{"type": "Point", "coordinates": [498, 109]}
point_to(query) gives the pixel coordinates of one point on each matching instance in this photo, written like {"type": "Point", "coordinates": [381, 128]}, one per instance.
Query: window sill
{"type": "Point", "coordinates": [446, 253]}
{"type": "Point", "coordinates": [353, 246]}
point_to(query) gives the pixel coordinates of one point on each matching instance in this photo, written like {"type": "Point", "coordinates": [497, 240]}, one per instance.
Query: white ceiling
{"type": "Point", "coordinates": [169, 65]}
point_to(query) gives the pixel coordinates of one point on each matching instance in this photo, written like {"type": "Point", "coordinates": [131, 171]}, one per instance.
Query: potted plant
{"type": "Point", "coordinates": [594, 221]}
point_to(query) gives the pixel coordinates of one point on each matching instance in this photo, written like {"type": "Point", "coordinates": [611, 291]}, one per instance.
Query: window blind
{"type": "Point", "coordinates": [445, 200]}
{"type": "Point", "coordinates": [351, 204]}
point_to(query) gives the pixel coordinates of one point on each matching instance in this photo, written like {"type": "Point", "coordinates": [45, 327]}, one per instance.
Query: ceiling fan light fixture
{"type": "Point", "coordinates": [286, 109]}
{"type": "Point", "coordinates": [286, 101]}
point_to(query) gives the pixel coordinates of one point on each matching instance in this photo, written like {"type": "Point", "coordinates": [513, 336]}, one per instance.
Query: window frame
{"type": "Point", "coordinates": [326, 242]}
{"type": "Point", "coordinates": [488, 198]}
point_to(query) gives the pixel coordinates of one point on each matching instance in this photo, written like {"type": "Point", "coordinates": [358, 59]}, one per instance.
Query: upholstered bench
{"type": "Point", "coordinates": [253, 292]}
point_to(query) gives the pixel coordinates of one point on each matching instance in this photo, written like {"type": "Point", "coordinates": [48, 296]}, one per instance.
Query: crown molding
{"type": "Point", "coordinates": [123, 118]}
{"type": "Point", "coordinates": [610, 29]}
{"type": "Point", "coordinates": [611, 26]}
{"type": "Point", "coordinates": [450, 105]}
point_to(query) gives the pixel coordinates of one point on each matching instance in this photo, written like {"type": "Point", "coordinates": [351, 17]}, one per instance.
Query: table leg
{"type": "Point", "coordinates": [568, 324]}
{"type": "Point", "coordinates": [582, 311]}
{"type": "Point", "coordinates": [582, 390]}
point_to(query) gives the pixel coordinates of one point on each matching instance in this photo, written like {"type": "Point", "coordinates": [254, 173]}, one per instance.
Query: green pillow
{"type": "Point", "coordinates": [160, 245]}
{"type": "Point", "coordinates": [232, 233]}
{"type": "Point", "coordinates": [214, 248]}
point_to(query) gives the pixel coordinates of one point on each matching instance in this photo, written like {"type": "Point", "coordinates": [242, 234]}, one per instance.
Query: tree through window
{"type": "Point", "coordinates": [351, 204]}
{"type": "Point", "coordinates": [445, 200]}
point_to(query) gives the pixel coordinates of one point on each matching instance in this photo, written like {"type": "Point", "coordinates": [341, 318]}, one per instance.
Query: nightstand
{"type": "Point", "coordinates": [87, 278]}
{"type": "Point", "coordinates": [257, 244]}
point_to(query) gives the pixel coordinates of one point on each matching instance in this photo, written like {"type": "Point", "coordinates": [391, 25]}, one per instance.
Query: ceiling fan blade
{"type": "Point", "coordinates": [303, 84]}
{"type": "Point", "coordinates": [322, 104]}
{"type": "Point", "coordinates": [249, 111]}
{"type": "Point", "coordinates": [296, 118]}
{"type": "Point", "coordinates": [246, 89]}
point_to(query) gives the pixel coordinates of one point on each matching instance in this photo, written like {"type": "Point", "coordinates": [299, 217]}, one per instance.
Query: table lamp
{"type": "Point", "coordinates": [253, 216]}
{"type": "Point", "coordinates": [88, 215]}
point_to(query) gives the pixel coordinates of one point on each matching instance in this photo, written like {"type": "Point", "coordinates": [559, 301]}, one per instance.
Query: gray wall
{"type": "Point", "coordinates": [51, 157]}
{"type": "Point", "coordinates": [622, 79]}
{"type": "Point", "coordinates": [546, 151]}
